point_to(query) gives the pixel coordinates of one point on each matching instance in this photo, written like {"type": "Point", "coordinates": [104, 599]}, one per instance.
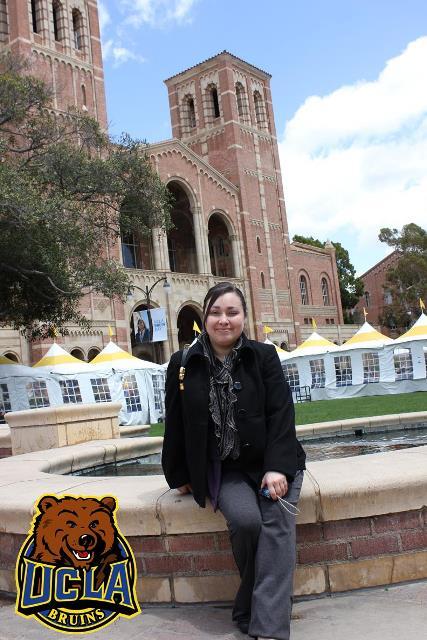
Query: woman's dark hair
{"type": "Point", "coordinates": [217, 291]}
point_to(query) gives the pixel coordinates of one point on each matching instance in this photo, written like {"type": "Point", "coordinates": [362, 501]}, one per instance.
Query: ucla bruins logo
{"type": "Point", "coordinates": [75, 572]}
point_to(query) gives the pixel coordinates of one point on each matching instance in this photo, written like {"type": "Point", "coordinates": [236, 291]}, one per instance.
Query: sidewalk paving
{"type": "Point", "coordinates": [393, 613]}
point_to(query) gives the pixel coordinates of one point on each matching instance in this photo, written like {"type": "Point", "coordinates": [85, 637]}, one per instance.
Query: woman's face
{"type": "Point", "coordinates": [141, 325]}
{"type": "Point", "coordinates": [225, 321]}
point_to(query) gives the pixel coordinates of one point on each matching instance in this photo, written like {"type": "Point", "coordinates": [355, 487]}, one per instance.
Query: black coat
{"type": "Point", "coordinates": [264, 416]}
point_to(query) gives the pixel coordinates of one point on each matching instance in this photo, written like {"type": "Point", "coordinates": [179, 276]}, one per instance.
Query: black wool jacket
{"type": "Point", "coordinates": [264, 416]}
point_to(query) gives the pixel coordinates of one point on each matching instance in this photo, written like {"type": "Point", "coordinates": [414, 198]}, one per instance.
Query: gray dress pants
{"type": "Point", "coordinates": [262, 537]}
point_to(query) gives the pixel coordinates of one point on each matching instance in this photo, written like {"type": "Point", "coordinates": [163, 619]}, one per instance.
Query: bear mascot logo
{"type": "Point", "coordinates": [76, 572]}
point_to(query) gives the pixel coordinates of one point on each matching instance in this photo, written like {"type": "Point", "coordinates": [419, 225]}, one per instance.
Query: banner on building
{"type": "Point", "coordinates": [150, 325]}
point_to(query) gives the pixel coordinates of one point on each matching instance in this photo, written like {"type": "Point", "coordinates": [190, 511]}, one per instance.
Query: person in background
{"type": "Point", "coordinates": [143, 333]}
{"type": "Point", "coordinates": [230, 433]}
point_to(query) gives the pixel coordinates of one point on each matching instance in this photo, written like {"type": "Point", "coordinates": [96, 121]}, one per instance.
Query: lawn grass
{"type": "Point", "coordinates": [325, 410]}
{"type": "Point", "coordinates": [157, 429]}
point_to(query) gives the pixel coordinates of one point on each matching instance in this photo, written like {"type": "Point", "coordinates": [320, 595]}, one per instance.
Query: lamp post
{"type": "Point", "coordinates": [147, 291]}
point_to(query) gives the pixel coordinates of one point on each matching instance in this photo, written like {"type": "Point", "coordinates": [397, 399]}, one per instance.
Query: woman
{"type": "Point", "coordinates": [143, 333]}
{"type": "Point", "coordinates": [230, 432]}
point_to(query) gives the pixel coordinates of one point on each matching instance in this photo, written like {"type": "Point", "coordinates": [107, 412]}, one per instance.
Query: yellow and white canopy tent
{"type": "Point", "coordinates": [72, 375]}
{"type": "Point", "coordinates": [113, 356]}
{"type": "Point", "coordinates": [60, 361]}
{"type": "Point", "coordinates": [306, 365]}
{"type": "Point", "coordinates": [137, 384]}
{"type": "Point", "coordinates": [366, 338]}
{"type": "Point", "coordinates": [412, 348]}
{"type": "Point", "coordinates": [315, 344]}
{"type": "Point", "coordinates": [417, 332]}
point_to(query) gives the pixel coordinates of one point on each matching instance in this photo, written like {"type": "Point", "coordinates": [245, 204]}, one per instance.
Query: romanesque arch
{"type": "Point", "coordinates": [220, 236]}
{"type": "Point", "coordinates": [181, 239]}
{"type": "Point", "coordinates": [189, 314]}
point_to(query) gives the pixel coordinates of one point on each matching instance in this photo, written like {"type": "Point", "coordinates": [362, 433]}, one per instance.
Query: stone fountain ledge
{"type": "Point", "coordinates": [391, 422]}
{"type": "Point", "coordinates": [363, 521]}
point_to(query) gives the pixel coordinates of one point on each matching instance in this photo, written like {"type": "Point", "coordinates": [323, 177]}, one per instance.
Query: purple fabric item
{"type": "Point", "coordinates": [214, 481]}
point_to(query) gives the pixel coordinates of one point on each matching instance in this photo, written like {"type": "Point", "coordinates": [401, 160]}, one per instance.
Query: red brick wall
{"type": "Point", "coordinates": [323, 544]}
{"type": "Point", "coordinates": [374, 281]}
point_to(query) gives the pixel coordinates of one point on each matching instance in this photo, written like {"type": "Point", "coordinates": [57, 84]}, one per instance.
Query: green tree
{"type": "Point", "coordinates": [406, 281]}
{"type": "Point", "coordinates": [67, 193]}
{"type": "Point", "coordinates": [351, 288]}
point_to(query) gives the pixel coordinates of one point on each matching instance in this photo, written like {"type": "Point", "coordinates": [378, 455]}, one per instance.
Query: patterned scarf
{"type": "Point", "coordinates": [222, 398]}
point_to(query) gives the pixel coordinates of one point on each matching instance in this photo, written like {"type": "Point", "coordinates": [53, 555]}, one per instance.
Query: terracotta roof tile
{"type": "Point", "coordinates": [216, 56]}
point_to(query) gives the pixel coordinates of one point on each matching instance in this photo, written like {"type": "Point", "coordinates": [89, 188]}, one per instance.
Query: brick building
{"type": "Point", "coordinates": [222, 166]}
{"type": "Point", "coordinates": [375, 295]}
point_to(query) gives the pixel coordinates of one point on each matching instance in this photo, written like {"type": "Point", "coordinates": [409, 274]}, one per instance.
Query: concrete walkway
{"type": "Point", "coordinates": [394, 613]}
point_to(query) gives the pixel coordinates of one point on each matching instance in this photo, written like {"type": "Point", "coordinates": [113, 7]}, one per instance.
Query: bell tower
{"type": "Point", "coordinates": [222, 109]}
{"type": "Point", "coordinates": [62, 40]}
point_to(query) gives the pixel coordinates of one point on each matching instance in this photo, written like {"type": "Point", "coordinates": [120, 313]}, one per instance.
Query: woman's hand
{"type": "Point", "coordinates": [186, 488]}
{"type": "Point", "coordinates": [276, 483]}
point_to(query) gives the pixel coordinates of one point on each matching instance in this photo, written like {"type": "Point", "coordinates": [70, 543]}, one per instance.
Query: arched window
{"type": "Point", "coordinates": [92, 354]}
{"type": "Point", "coordinates": [367, 298]}
{"type": "Point", "coordinates": [36, 15]}
{"type": "Point", "coordinates": [189, 113]}
{"type": "Point", "coordinates": [262, 280]}
{"type": "Point", "coordinates": [77, 29]}
{"type": "Point", "coordinates": [258, 244]}
{"type": "Point", "coordinates": [84, 101]}
{"type": "Point", "coordinates": [242, 103]}
{"type": "Point", "coordinates": [325, 292]}
{"type": "Point", "coordinates": [303, 289]}
{"type": "Point", "coordinates": [220, 251]}
{"type": "Point", "coordinates": [11, 356]}
{"type": "Point", "coordinates": [57, 20]}
{"type": "Point", "coordinates": [215, 103]}
{"type": "Point", "coordinates": [4, 27]}
{"type": "Point", "coordinates": [78, 353]}
{"type": "Point", "coordinates": [259, 110]}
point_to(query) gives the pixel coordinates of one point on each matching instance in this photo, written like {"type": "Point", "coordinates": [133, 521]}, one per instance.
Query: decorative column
{"type": "Point", "coordinates": [235, 248]}
{"type": "Point", "coordinates": [156, 240]}
{"type": "Point", "coordinates": [198, 237]}
{"type": "Point", "coordinates": [161, 251]}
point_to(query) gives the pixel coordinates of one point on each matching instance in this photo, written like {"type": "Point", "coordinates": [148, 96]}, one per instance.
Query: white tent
{"type": "Point", "coordinates": [22, 387]}
{"type": "Point", "coordinates": [72, 375]}
{"type": "Point", "coordinates": [369, 363]}
{"type": "Point", "coordinates": [137, 384]}
{"type": "Point", "coordinates": [412, 349]}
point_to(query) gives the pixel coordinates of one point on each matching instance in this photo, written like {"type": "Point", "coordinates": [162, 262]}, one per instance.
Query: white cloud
{"type": "Point", "coordinates": [104, 16]}
{"type": "Point", "coordinates": [157, 13]}
{"type": "Point", "coordinates": [355, 160]}
{"type": "Point", "coordinates": [118, 54]}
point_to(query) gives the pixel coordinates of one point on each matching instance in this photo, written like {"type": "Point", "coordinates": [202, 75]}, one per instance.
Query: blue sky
{"type": "Point", "coordinates": [349, 90]}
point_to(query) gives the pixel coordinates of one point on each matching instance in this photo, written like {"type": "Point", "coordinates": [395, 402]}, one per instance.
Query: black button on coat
{"type": "Point", "coordinates": [264, 416]}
